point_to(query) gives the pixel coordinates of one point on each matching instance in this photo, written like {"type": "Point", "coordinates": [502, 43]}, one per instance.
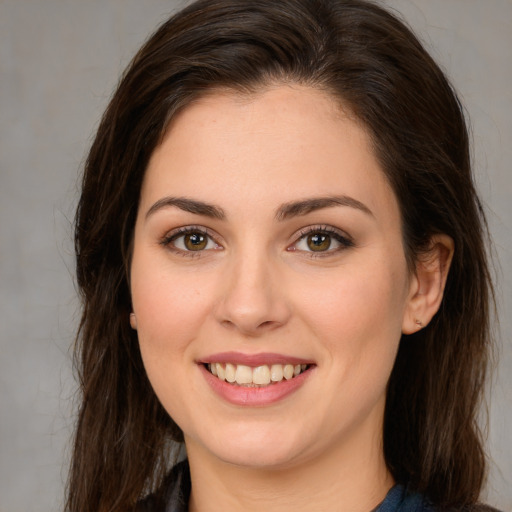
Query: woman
{"type": "Point", "coordinates": [282, 260]}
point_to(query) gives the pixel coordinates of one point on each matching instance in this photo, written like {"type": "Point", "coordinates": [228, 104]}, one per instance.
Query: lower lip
{"type": "Point", "coordinates": [257, 396]}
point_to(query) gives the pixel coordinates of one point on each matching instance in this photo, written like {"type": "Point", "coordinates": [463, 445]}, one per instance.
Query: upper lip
{"type": "Point", "coordinates": [254, 360]}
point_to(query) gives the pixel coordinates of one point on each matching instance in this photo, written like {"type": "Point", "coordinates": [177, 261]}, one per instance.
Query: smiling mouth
{"type": "Point", "coordinates": [259, 376]}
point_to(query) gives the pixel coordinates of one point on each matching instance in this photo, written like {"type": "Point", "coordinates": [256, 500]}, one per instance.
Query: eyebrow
{"type": "Point", "coordinates": [284, 212]}
{"type": "Point", "coordinates": [299, 208]}
{"type": "Point", "coordinates": [188, 205]}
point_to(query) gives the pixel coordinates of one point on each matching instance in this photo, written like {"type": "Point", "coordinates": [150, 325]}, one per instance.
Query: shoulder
{"type": "Point", "coordinates": [476, 507]}
{"type": "Point", "coordinates": [479, 507]}
{"type": "Point", "coordinates": [173, 495]}
{"type": "Point", "coordinates": [403, 499]}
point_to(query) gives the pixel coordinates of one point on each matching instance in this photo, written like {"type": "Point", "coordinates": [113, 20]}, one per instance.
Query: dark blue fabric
{"type": "Point", "coordinates": [176, 493]}
{"type": "Point", "coordinates": [399, 500]}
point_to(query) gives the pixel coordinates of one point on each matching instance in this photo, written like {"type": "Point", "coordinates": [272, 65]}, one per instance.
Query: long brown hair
{"type": "Point", "coordinates": [373, 64]}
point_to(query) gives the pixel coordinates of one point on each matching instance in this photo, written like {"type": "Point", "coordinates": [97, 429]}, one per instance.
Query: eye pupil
{"type": "Point", "coordinates": [319, 242]}
{"type": "Point", "coordinates": [195, 241]}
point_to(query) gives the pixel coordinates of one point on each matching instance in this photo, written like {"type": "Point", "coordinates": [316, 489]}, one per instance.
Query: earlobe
{"type": "Point", "coordinates": [133, 321]}
{"type": "Point", "coordinates": [428, 283]}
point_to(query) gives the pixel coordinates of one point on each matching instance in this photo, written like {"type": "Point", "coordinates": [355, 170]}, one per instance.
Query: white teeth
{"type": "Point", "coordinates": [288, 371]}
{"type": "Point", "coordinates": [221, 373]}
{"type": "Point", "coordinates": [261, 375]}
{"type": "Point", "coordinates": [276, 372]}
{"type": "Point", "coordinates": [244, 375]}
{"type": "Point", "coordinates": [230, 373]}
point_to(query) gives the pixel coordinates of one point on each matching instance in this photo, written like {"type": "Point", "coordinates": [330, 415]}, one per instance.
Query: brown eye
{"type": "Point", "coordinates": [322, 241]}
{"type": "Point", "coordinates": [195, 241]}
{"type": "Point", "coordinates": [318, 242]}
{"type": "Point", "coordinates": [190, 240]}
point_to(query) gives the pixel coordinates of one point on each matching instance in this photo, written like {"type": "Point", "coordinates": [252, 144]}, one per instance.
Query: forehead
{"type": "Point", "coordinates": [281, 143]}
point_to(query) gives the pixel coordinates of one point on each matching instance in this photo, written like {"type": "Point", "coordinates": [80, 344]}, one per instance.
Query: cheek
{"type": "Point", "coordinates": [358, 299]}
{"type": "Point", "coordinates": [357, 314]}
{"type": "Point", "coordinates": [169, 307]}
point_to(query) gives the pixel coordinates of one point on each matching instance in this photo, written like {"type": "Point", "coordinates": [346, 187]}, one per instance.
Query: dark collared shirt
{"type": "Point", "coordinates": [176, 496]}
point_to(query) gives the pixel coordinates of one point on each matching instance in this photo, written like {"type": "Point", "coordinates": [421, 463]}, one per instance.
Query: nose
{"type": "Point", "coordinates": [253, 299]}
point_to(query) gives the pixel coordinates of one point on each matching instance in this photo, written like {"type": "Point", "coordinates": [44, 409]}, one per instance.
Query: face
{"type": "Point", "coordinates": [268, 252]}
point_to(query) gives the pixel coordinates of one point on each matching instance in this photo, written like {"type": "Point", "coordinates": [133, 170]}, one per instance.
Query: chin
{"type": "Point", "coordinates": [261, 459]}
{"type": "Point", "coordinates": [258, 448]}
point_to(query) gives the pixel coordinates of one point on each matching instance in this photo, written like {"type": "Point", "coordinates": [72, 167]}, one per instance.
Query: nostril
{"type": "Point", "coordinates": [228, 323]}
{"type": "Point", "coordinates": [251, 310]}
{"type": "Point", "coordinates": [251, 329]}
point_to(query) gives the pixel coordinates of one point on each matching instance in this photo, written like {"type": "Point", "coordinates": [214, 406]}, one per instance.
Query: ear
{"type": "Point", "coordinates": [427, 284]}
{"type": "Point", "coordinates": [133, 321]}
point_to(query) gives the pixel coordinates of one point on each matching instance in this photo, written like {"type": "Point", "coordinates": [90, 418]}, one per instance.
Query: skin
{"type": "Point", "coordinates": [258, 287]}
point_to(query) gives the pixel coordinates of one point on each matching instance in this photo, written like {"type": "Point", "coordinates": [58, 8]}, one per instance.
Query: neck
{"type": "Point", "coordinates": [353, 477]}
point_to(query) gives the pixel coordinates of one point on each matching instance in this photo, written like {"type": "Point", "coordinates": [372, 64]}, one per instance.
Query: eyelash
{"type": "Point", "coordinates": [169, 238]}
{"type": "Point", "coordinates": [344, 240]}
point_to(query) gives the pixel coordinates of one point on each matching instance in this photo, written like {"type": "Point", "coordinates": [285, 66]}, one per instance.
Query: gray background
{"type": "Point", "coordinates": [59, 61]}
